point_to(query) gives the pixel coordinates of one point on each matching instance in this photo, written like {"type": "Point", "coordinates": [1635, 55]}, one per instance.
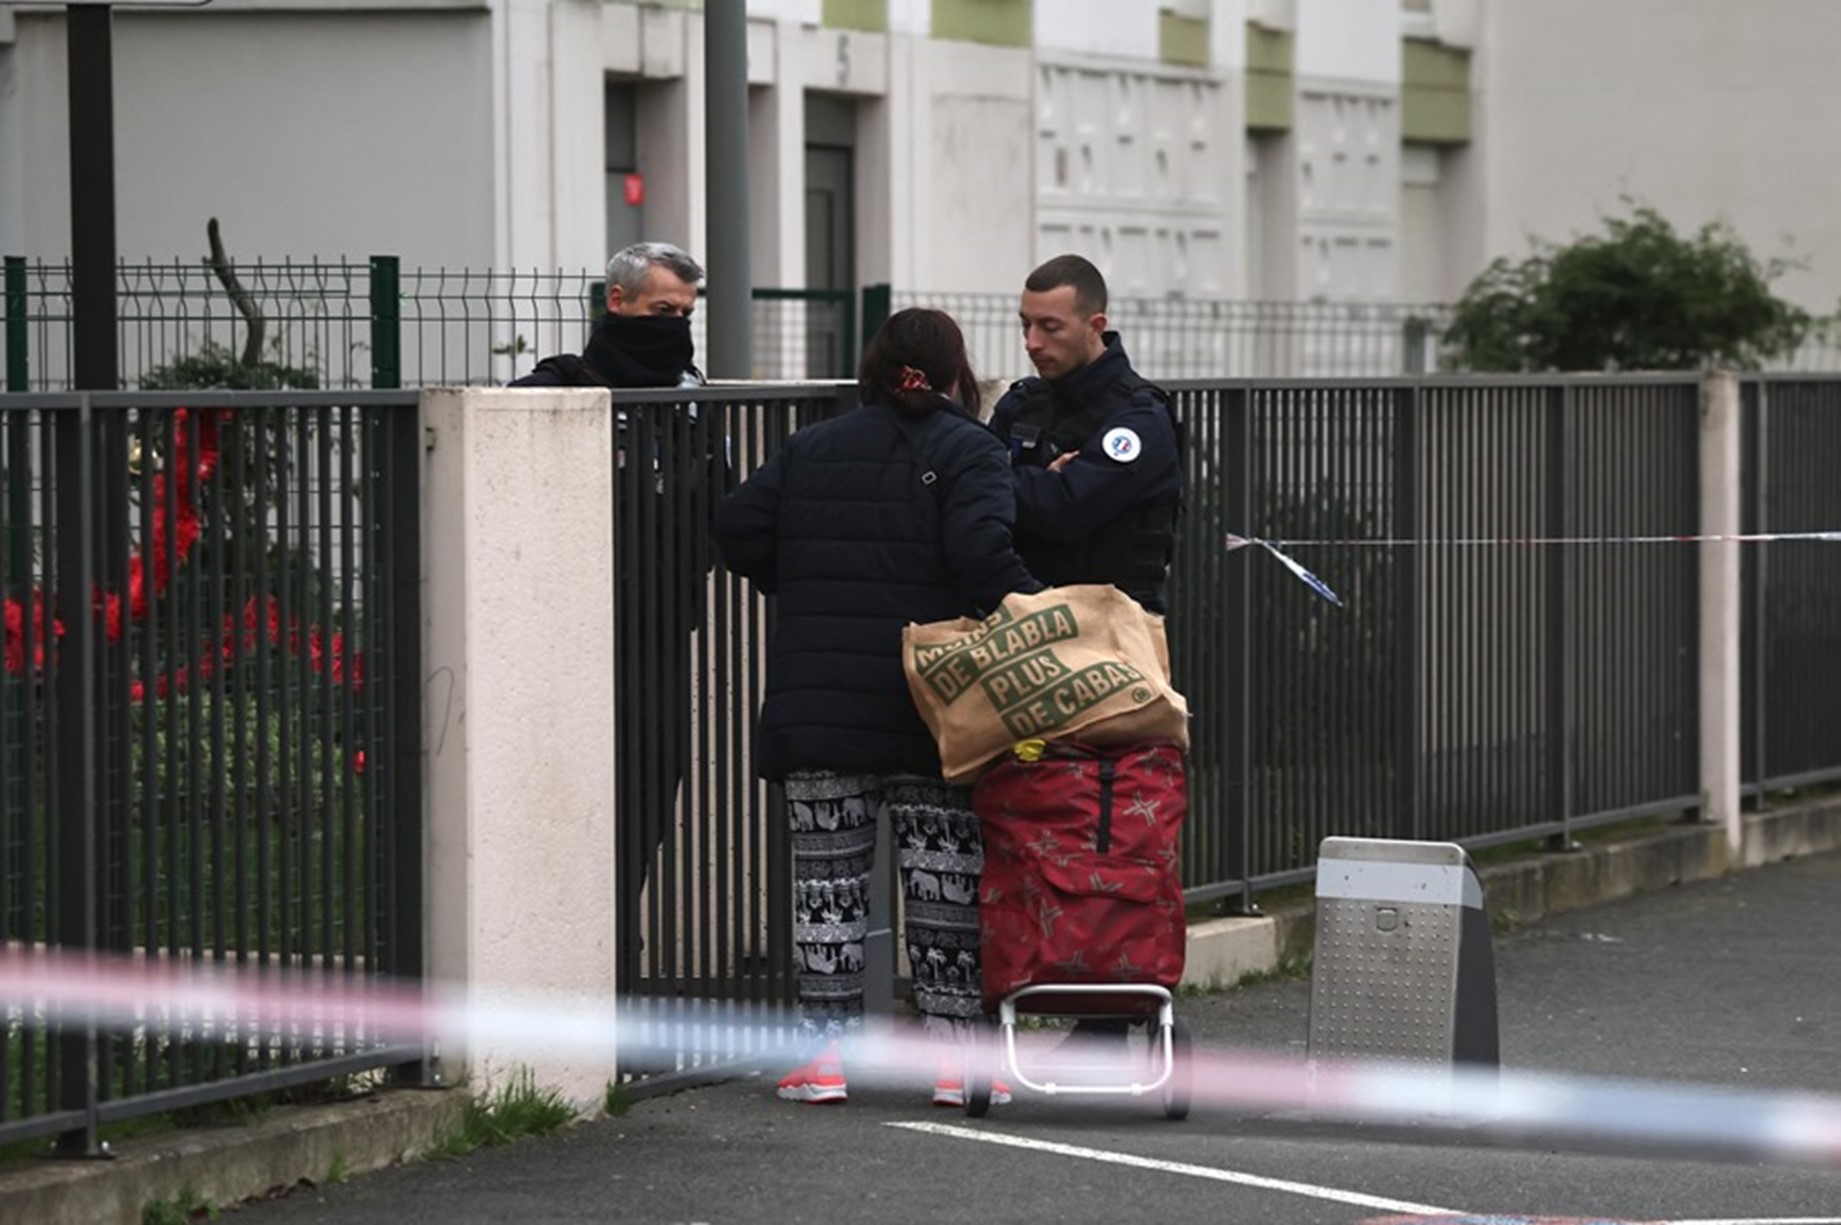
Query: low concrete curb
{"type": "Point", "coordinates": [310, 1144]}
{"type": "Point", "coordinates": [1224, 951]}
{"type": "Point", "coordinates": [227, 1165]}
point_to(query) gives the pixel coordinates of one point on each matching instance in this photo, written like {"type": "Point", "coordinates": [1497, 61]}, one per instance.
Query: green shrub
{"type": "Point", "coordinates": [1639, 297]}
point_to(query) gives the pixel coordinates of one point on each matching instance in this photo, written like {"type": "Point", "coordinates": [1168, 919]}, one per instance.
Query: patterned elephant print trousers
{"type": "Point", "coordinates": [941, 858]}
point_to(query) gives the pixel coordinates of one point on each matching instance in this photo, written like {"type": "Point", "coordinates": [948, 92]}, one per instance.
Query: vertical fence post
{"type": "Point", "coordinates": [1719, 605]}
{"type": "Point", "coordinates": [877, 300]}
{"type": "Point", "coordinates": [1559, 696]}
{"type": "Point", "coordinates": [1756, 436]}
{"type": "Point", "coordinates": [1409, 816]}
{"type": "Point", "coordinates": [400, 432]}
{"type": "Point", "coordinates": [386, 323]}
{"type": "Point", "coordinates": [1236, 450]}
{"type": "Point", "coordinates": [18, 362]}
{"type": "Point", "coordinates": [1415, 333]}
{"type": "Point", "coordinates": [847, 302]}
{"type": "Point", "coordinates": [74, 780]}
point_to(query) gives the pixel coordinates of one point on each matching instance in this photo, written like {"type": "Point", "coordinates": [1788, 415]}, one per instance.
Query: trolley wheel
{"type": "Point", "coordinates": [979, 1076]}
{"type": "Point", "coordinates": [1176, 1090]}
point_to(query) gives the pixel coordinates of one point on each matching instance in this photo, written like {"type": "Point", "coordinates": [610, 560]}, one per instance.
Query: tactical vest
{"type": "Point", "coordinates": [1133, 551]}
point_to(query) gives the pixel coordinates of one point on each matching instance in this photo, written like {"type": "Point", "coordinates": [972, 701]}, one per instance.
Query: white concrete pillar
{"type": "Point", "coordinates": [776, 162]}
{"type": "Point", "coordinates": [522, 149]}
{"type": "Point", "coordinates": [1719, 604]}
{"type": "Point", "coordinates": [517, 555]}
{"type": "Point", "coordinates": [886, 206]}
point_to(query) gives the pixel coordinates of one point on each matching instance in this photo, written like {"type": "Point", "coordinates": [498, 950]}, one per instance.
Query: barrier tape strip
{"type": "Point", "coordinates": [1277, 548]}
{"type": "Point", "coordinates": [204, 1002]}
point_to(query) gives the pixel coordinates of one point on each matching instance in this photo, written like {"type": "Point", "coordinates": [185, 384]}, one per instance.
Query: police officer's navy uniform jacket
{"type": "Point", "coordinates": [864, 523]}
{"type": "Point", "coordinates": [1109, 516]}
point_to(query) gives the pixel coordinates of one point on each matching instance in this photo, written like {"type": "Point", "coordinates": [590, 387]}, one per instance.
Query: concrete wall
{"type": "Point", "coordinates": [12, 143]}
{"type": "Point", "coordinates": [1702, 108]}
{"type": "Point", "coordinates": [518, 651]}
{"type": "Point", "coordinates": [971, 212]}
{"type": "Point", "coordinates": [1139, 168]}
{"type": "Point", "coordinates": [305, 134]}
{"type": "Point", "coordinates": [464, 133]}
{"type": "Point", "coordinates": [1347, 151]}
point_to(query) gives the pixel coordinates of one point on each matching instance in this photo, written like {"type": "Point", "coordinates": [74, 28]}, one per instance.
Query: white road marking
{"type": "Point", "coordinates": [1511, 1219]}
{"type": "Point", "coordinates": [1175, 1167]}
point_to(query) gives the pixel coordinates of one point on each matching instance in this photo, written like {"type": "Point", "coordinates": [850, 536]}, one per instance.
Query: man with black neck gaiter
{"type": "Point", "coordinates": [669, 476]}
{"type": "Point", "coordinates": [644, 338]}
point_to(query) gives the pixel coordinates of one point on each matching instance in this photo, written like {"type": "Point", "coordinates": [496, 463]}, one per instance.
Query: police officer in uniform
{"type": "Point", "coordinates": [1097, 460]}
{"type": "Point", "coordinates": [1093, 447]}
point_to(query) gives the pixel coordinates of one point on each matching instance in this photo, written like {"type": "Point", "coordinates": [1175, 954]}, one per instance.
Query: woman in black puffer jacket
{"type": "Point", "coordinates": [900, 510]}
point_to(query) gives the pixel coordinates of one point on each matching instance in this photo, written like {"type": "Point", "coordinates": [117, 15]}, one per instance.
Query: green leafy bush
{"type": "Point", "coordinates": [1639, 297]}
{"type": "Point", "coordinates": [215, 366]}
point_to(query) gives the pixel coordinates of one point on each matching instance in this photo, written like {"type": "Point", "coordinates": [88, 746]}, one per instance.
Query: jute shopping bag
{"type": "Point", "coordinates": [1083, 662]}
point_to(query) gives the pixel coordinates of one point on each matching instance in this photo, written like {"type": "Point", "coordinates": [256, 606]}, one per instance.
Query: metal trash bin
{"type": "Point", "coordinates": [1403, 967]}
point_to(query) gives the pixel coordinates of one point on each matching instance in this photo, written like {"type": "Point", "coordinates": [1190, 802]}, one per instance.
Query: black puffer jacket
{"type": "Point", "coordinates": [860, 525]}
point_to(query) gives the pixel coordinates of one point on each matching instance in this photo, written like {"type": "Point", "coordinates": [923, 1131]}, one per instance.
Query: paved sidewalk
{"type": "Point", "coordinates": [1704, 981]}
{"type": "Point", "coordinates": [1732, 982]}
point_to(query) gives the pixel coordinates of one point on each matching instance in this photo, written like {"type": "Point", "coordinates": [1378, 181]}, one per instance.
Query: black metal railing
{"type": "Point", "coordinates": [1792, 611]}
{"type": "Point", "coordinates": [1474, 687]}
{"type": "Point", "coordinates": [209, 726]}
{"type": "Point", "coordinates": [702, 867]}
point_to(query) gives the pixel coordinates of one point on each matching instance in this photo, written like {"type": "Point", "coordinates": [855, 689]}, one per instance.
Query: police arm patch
{"type": "Point", "coordinates": [1122, 444]}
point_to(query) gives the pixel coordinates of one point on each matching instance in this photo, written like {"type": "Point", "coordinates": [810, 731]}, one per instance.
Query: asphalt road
{"type": "Point", "coordinates": [1731, 983]}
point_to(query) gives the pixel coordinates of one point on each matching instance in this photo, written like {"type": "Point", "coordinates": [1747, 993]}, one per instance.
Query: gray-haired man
{"type": "Point", "coordinates": [644, 338]}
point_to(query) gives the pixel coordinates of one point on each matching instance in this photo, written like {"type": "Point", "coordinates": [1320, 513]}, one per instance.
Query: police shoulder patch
{"type": "Point", "coordinates": [1122, 444]}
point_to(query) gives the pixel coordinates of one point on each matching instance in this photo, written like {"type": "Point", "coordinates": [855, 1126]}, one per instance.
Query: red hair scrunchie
{"type": "Point", "coordinates": [913, 380]}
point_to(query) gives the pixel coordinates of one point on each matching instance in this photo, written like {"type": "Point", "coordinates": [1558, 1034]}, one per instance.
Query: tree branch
{"type": "Point", "coordinates": [227, 277]}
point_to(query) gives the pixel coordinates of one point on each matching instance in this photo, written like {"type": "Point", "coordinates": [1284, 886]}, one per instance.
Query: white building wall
{"type": "Point", "coordinates": [911, 17]}
{"type": "Point", "coordinates": [1348, 40]}
{"type": "Point", "coordinates": [1227, 34]}
{"type": "Point", "coordinates": [1139, 164]}
{"type": "Point", "coordinates": [1137, 168]}
{"type": "Point", "coordinates": [1702, 108]}
{"type": "Point", "coordinates": [576, 180]}
{"type": "Point", "coordinates": [1126, 29]}
{"type": "Point", "coordinates": [306, 134]}
{"type": "Point", "coordinates": [971, 219]}
{"type": "Point", "coordinates": [1346, 146]}
{"type": "Point", "coordinates": [463, 134]}
{"type": "Point", "coordinates": [12, 143]}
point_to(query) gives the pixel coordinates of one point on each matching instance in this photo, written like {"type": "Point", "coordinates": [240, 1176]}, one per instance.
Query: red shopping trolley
{"type": "Point", "coordinates": [1082, 912]}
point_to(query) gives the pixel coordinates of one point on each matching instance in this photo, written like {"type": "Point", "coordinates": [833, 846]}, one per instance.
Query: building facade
{"type": "Point", "coordinates": [1282, 150]}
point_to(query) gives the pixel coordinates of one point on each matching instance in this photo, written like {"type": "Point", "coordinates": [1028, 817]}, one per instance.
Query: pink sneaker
{"type": "Point", "coordinates": [820, 1082]}
{"type": "Point", "coordinates": [949, 1087]}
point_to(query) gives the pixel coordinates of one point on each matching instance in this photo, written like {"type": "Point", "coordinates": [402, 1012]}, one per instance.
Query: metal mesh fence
{"type": "Point", "coordinates": [209, 724]}
{"type": "Point", "coordinates": [1185, 338]}
{"type": "Point", "coordinates": [311, 326]}
{"type": "Point", "coordinates": [351, 324]}
{"type": "Point", "coordinates": [338, 325]}
{"type": "Point", "coordinates": [1177, 338]}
